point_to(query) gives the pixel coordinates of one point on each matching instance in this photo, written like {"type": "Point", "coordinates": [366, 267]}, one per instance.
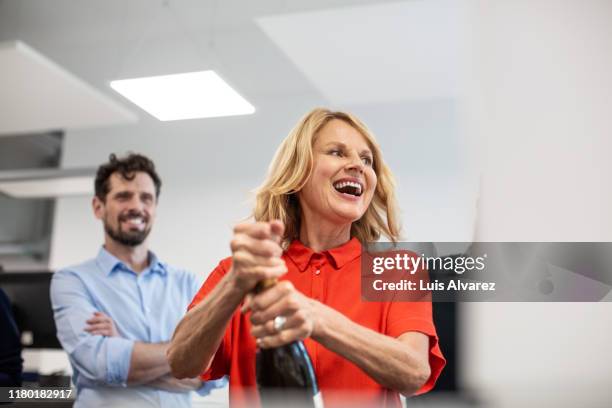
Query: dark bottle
{"type": "Point", "coordinates": [285, 376]}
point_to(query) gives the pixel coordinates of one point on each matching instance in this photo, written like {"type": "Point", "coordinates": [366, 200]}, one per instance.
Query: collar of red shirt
{"type": "Point", "coordinates": [302, 255]}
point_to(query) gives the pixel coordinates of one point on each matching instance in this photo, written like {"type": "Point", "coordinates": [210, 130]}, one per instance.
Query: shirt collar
{"type": "Point", "coordinates": [109, 263]}
{"type": "Point", "coordinates": [301, 255]}
{"type": "Point", "coordinates": [156, 265]}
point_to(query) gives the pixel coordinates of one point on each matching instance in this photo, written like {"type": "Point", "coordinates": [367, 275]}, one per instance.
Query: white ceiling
{"type": "Point", "coordinates": [342, 52]}
{"type": "Point", "coordinates": [38, 95]}
{"type": "Point", "coordinates": [376, 53]}
{"type": "Point", "coordinates": [403, 89]}
{"type": "Point", "coordinates": [115, 39]}
{"type": "Point", "coordinates": [408, 101]}
{"type": "Point", "coordinates": [398, 72]}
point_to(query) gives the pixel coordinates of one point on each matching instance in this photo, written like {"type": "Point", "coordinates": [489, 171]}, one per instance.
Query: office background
{"type": "Point", "coordinates": [493, 115]}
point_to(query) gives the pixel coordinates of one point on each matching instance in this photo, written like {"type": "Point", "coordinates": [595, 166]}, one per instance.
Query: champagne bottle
{"type": "Point", "coordinates": [285, 375]}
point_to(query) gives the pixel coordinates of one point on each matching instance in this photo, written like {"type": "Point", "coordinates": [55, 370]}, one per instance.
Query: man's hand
{"type": "Point", "coordinates": [101, 324]}
{"type": "Point", "coordinates": [169, 383]}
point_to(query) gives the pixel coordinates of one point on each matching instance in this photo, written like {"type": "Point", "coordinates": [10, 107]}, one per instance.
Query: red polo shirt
{"type": "Point", "coordinates": [333, 278]}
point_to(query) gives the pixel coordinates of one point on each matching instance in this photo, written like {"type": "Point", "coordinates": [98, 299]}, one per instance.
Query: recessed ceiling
{"type": "Point", "coordinates": [39, 95]}
{"type": "Point", "coordinates": [377, 53]}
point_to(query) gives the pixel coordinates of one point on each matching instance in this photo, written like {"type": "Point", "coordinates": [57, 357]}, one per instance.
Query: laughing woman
{"type": "Point", "coordinates": [328, 191]}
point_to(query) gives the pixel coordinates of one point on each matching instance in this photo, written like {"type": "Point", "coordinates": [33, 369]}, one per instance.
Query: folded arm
{"type": "Point", "coordinates": [99, 359]}
{"type": "Point", "coordinates": [96, 348]}
{"type": "Point", "coordinates": [169, 383]}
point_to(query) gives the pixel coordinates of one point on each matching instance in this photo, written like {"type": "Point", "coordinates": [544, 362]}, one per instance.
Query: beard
{"type": "Point", "coordinates": [127, 238]}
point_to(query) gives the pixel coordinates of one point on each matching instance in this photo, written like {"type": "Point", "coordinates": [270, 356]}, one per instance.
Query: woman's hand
{"type": "Point", "coordinates": [256, 253]}
{"type": "Point", "coordinates": [301, 314]}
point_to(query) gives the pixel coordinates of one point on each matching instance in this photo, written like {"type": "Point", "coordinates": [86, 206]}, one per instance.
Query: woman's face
{"type": "Point", "coordinates": [343, 180]}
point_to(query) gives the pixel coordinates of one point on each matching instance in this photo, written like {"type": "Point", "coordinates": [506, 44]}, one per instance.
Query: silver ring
{"type": "Point", "coordinates": [279, 323]}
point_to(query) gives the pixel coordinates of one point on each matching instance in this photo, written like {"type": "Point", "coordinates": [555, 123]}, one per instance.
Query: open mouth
{"type": "Point", "coordinates": [349, 187]}
{"type": "Point", "coordinates": [134, 221]}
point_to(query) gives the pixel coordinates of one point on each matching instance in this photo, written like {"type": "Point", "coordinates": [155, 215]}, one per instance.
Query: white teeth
{"type": "Point", "coordinates": [349, 183]}
{"type": "Point", "coordinates": [136, 221]}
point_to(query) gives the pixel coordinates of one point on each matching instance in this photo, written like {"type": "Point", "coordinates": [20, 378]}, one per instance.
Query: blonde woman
{"type": "Point", "coordinates": [327, 192]}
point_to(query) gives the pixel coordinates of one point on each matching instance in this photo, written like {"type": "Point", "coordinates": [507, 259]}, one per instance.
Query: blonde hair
{"type": "Point", "coordinates": [292, 166]}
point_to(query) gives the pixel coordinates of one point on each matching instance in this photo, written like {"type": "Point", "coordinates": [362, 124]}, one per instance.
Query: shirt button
{"type": "Point", "coordinates": [318, 272]}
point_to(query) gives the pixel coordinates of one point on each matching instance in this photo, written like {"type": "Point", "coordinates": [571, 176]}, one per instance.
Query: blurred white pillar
{"type": "Point", "coordinates": [544, 69]}
{"type": "Point", "coordinates": [540, 109]}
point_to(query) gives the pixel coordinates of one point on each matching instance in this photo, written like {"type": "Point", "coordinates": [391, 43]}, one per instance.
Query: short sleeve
{"type": "Point", "coordinates": [220, 364]}
{"type": "Point", "coordinates": [417, 316]}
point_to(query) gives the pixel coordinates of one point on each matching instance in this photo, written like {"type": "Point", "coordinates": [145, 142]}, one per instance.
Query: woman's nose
{"type": "Point", "coordinates": [355, 163]}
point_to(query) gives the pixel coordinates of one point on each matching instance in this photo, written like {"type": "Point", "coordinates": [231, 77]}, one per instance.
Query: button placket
{"type": "Point", "coordinates": [143, 285]}
{"type": "Point", "coordinates": [317, 286]}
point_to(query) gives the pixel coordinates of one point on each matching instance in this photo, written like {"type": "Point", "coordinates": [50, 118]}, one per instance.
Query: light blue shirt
{"type": "Point", "coordinates": [145, 307]}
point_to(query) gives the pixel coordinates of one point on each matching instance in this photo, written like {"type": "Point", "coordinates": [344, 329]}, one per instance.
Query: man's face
{"type": "Point", "coordinates": [128, 212]}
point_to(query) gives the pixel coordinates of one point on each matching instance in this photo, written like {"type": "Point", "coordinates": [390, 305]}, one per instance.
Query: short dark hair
{"type": "Point", "coordinates": [127, 167]}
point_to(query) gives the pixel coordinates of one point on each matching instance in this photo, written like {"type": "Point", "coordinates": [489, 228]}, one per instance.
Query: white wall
{"type": "Point", "coordinates": [543, 114]}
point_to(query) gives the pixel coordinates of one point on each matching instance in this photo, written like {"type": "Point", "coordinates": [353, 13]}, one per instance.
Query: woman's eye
{"type": "Point", "coordinates": [367, 160]}
{"type": "Point", "coordinates": [335, 152]}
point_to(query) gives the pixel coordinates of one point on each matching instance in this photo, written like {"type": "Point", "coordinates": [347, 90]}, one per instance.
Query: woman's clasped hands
{"type": "Point", "coordinates": [280, 314]}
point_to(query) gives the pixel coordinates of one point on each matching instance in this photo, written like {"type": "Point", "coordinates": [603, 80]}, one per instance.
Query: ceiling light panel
{"type": "Point", "coordinates": [192, 95]}
{"type": "Point", "coordinates": [44, 188]}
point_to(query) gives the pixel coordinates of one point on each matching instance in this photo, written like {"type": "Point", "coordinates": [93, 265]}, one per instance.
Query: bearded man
{"type": "Point", "coordinates": [116, 313]}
